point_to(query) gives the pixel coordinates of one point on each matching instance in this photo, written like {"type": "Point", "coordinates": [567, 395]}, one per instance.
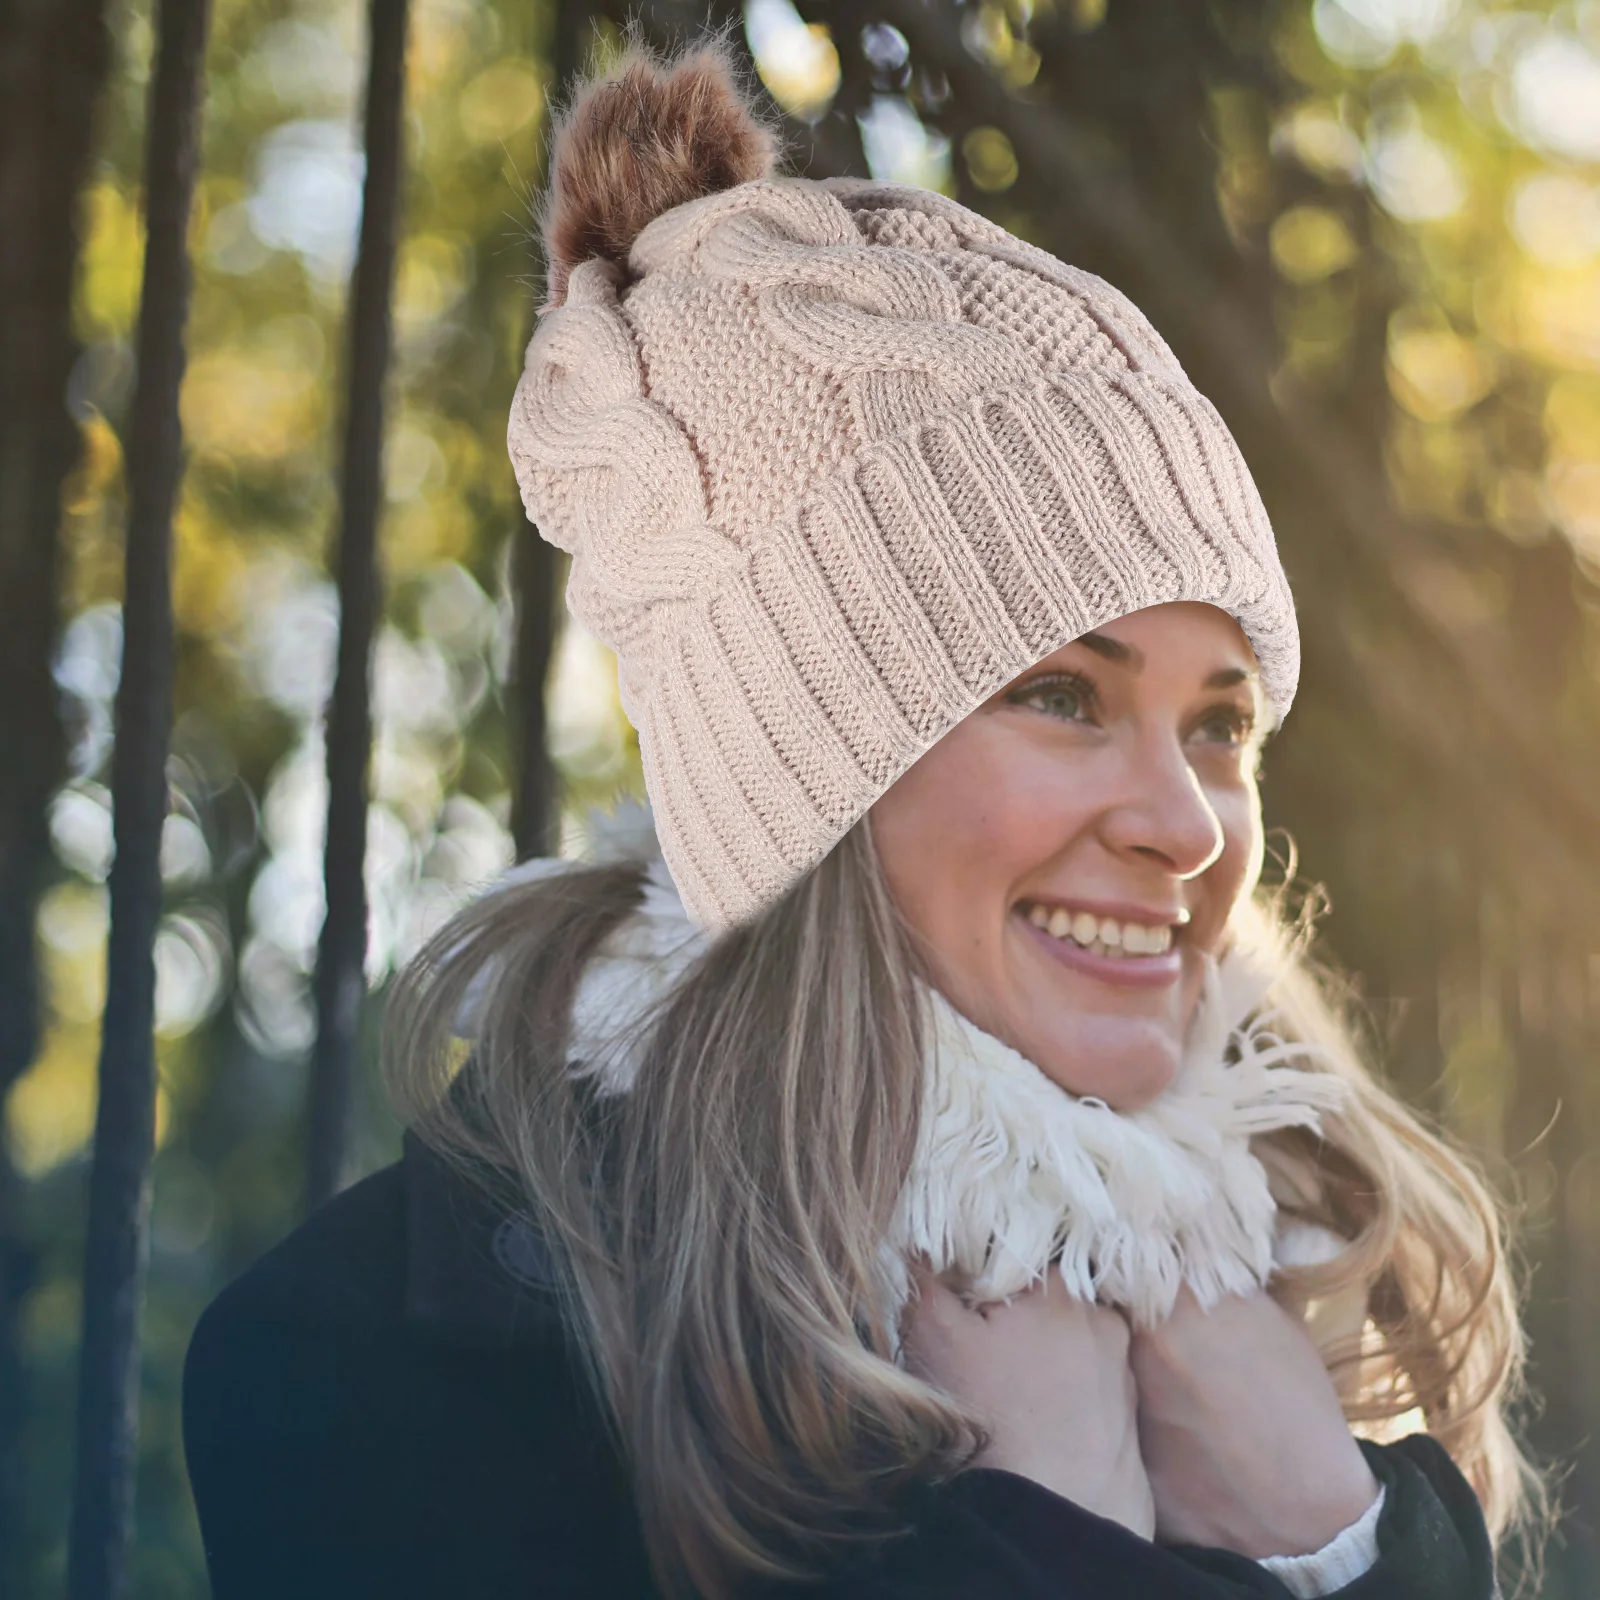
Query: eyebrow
{"type": "Point", "coordinates": [1128, 655]}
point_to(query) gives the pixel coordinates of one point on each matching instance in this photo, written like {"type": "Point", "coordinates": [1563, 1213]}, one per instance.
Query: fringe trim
{"type": "Point", "coordinates": [1013, 1173]}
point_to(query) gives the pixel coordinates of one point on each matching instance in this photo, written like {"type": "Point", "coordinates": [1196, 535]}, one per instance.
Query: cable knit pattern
{"type": "Point", "coordinates": [835, 461]}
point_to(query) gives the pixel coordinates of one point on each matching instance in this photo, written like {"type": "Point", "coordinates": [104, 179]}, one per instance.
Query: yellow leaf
{"type": "Point", "coordinates": [111, 264]}
{"type": "Point", "coordinates": [1310, 243]}
{"type": "Point", "coordinates": [500, 101]}
{"type": "Point", "coordinates": [1435, 373]}
{"type": "Point", "coordinates": [50, 1112]}
{"type": "Point", "coordinates": [991, 161]}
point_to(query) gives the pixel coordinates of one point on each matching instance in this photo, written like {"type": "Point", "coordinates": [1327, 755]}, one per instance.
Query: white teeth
{"type": "Point", "coordinates": [1104, 934]}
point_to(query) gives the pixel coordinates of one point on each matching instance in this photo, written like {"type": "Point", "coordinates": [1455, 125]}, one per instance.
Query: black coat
{"type": "Point", "coordinates": [384, 1405]}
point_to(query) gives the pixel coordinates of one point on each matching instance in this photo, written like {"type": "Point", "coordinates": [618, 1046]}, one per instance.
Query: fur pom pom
{"type": "Point", "coordinates": [639, 140]}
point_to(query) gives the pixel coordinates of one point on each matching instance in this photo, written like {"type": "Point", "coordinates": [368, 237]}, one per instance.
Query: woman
{"type": "Point", "coordinates": [893, 1187]}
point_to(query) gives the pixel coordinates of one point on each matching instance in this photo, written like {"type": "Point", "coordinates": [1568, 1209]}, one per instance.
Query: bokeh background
{"type": "Point", "coordinates": [1370, 229]}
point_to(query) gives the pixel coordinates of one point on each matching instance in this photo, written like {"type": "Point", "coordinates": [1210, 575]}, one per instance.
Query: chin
{"type": "Point", "coordinates": [1124, 1086]}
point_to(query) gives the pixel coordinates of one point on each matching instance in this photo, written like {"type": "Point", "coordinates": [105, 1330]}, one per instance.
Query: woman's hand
{"type": "Point", "coordinates": [1049, 1376]}
{"type": "Point", "coordinates": [1241, 1431]}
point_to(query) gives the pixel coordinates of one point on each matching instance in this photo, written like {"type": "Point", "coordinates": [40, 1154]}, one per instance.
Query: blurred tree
{"type": "Point", "coordinates": [339, 981]}
{"type": "Point", "coordinates": [116, 1241]}
{"type": "Point", "coordinates": [53, 63]}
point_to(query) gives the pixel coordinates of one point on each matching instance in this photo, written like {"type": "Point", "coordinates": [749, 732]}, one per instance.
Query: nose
{"type": "Point", "coordinates": [1163, 811]}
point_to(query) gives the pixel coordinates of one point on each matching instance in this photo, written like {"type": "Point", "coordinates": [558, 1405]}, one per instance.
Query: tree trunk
{"type": "Point", "coordinates": [119, 1185]}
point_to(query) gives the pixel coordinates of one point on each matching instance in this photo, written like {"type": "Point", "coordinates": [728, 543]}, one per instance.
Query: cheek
{"type": "Point", "coordinates": [1237, 870]}
{"type": "Point", "coordinates": [958, 829]}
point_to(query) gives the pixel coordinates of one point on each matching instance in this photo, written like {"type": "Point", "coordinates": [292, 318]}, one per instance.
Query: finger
{"type": "Point", "coordinates": [1050, 1296]}
{"type": "Point", "coordinates": [1121, 1313]}
{"type": "Point", "coordinates": [1187, 1303]}
{"type": "Point", "coordinates": [1114, 1335]}
{"type": "Point", "coordinates": [926, 1280]}
{"type": "Point", "coordinates": [937, 1335]}
{"type": "Point", "coordinates": [938, 1311]}
{"type": "Point", "coordinates": [955, 1308]}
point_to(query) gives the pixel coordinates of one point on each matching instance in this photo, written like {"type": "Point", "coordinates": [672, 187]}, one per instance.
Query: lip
{"type": "Point", "coordinates": [1122, 972]}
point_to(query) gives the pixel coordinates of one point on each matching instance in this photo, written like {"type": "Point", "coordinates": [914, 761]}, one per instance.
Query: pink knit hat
{"type": "Point", "coordinates": [835, 461]}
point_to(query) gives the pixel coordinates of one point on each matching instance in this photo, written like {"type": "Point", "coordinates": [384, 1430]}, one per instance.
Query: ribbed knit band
{"type": "Point", "coordinates": [837, 463]}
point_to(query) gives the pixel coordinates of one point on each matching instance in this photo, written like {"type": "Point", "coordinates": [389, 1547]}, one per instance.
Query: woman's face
{"type": "Point", "coordinates": [1109, 791]}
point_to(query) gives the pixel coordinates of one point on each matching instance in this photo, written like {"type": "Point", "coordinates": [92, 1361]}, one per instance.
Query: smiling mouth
{"type": "Point", "coordinates": [1116, 965]}
{"type": "Point", "coordinates": [1101, 936]}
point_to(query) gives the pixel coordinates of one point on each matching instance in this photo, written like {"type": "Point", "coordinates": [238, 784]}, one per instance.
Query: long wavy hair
{"type": "Point", "coordinates": [717, 1229]}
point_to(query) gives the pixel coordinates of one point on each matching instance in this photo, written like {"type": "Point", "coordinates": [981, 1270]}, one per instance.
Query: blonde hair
{"type": "Point", "coordinates": [718, 1227]}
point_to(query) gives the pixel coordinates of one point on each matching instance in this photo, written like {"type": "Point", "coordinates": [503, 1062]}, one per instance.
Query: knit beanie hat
{"type": "Point", "coordinates": [835, 460]}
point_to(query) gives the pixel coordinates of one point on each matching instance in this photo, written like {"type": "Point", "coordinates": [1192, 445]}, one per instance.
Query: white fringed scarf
{"type": "Point", "coordinates": [1013, 1173]}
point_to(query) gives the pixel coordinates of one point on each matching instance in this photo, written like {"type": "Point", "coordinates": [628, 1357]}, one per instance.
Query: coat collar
{"type": "Point", "coordinates": [476, 1273]}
